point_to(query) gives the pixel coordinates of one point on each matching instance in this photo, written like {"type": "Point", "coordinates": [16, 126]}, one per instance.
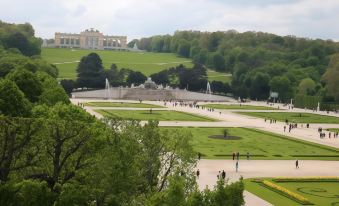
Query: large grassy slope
{"type": "Point", "coordinates": [146, 62]}
{"type": "Point", "coordinates": [218, 76]}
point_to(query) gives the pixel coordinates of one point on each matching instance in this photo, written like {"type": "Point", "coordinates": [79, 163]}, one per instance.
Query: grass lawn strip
{"type": "Point", "coordinates": [237, 107]}
{"type": "Point", "coordinates": [121, 104]}
{"type": "Point", "coordinates": [160, 115]}
{"type": "Point", "coordinates": [333, 130]}
{"type": "Point", "coordinates": [260, 144]}
{"type": "Point", "coordinates": [294, 117]}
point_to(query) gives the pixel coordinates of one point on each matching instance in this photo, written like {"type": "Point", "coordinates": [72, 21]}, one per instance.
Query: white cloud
{"type": "Point", "coordinates": [138, 18]}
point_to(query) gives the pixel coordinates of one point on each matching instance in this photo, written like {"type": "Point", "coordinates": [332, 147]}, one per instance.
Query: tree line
{"type": "Point", "coordinates": [259, 62]}
{"type": "Point", "coordinates": [55, 153]}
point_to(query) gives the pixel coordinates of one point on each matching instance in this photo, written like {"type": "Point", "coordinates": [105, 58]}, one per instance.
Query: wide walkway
{"type": "Point", "coordinates": [209, 169]}
{"type": "Point", "coordinates": [263, 168]}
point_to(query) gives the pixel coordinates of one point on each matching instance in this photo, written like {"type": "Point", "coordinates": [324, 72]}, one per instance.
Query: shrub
{"type": "Point", "coordinates": [286, 192]}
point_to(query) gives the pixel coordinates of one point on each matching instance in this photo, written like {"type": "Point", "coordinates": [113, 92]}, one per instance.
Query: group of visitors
{"type": "Point", "coordinates": [81, 105]}
{"type": "Point", "coordinates": [292, 126]}
{"type": "Point", "coordinates": [271, 121]}
{"type": "Point", "coordinates": [237, 155]}
{"type": "Point", "coordinates": [188, 104]}
{"type": "Point", "coordinates": [323, 134]}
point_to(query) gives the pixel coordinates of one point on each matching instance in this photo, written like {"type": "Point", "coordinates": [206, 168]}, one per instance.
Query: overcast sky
{"type": "Point", "coordinates": [142, 18]}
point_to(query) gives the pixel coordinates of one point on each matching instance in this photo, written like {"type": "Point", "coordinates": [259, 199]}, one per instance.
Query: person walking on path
{"type": "Point", "coordinates": [223, 174]}
{"type": "Point", "coordinates": [285, 128]}
{"type": "Point", "coordinates": [236, 166]}
{"type": "Point", "coordinates": [233, 155]}
{"type": "Point", "coordinates": [198, 173]}
{"type": "Point", "coordinates": [296, 164]}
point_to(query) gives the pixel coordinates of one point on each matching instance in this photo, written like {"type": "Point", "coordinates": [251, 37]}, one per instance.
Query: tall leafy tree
{"type": "Point", "coordinates": [12, 100]}
{"type": "Point", "coordinates": [218, 62]}
{"type": "Point", "coordinates": [91, 72]}
{"type": "Point", "coordinates": [69, 131]}
{"type": "Point", "coordinates": [28, 83]}
{"type": "Point", "coordinates": [307, 87]}
{"type": "Point", "coordinates": [19, 145]}
{"type": "Point", "coordinates": [283, 86]}
{"type": "Point", "coordinates": [135, 77]}
{"type": "Point", "coordinates": [331, 77]}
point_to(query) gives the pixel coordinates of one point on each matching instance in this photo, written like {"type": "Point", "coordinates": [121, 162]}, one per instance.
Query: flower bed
{"type": "Point", "coordinates": [282, 190]}
{"type": "Point", "coordinates": [306, 179]}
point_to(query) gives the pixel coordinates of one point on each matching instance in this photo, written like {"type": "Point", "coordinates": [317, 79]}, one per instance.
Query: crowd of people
{"type": "Point", "coordinates": [322, 134]}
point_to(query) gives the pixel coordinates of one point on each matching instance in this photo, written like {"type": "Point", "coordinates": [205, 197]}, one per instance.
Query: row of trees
{"type": "Point", "coordinates": [260, 62]}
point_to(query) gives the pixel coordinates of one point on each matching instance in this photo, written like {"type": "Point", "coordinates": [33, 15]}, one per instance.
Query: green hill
{"type": "Point", "coordinates": [147, 62]}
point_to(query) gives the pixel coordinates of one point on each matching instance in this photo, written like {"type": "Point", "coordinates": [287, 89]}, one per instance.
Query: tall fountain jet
{"type": "Point", "coordinates": [208, 89]}
{"type": "Point", "coordinates": [107, 89]}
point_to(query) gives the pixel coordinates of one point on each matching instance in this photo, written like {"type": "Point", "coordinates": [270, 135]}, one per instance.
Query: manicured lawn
{"type": "Point", "coordinates": [319, 193]}
{"type": "Point", "coordinates": [333, 130]}
{"type": "Point", "coordinates": [160, 115]}
{"type": "Point", "coordinates": [238, 107]}
{"type": "Point", "coordinates": [294, 117]}
{"type": "Point", "coordinates": [260, 145]}
{"type": "Point", "coordinates": [121, 104]}
{"type": "Point", "coordinates": [146, 62]}
{"type": "Point", "coordinates": [218, 76]}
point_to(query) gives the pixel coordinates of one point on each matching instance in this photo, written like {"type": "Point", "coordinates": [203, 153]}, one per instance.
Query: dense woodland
{"type": "Point", "coordinates": [55, 153]}
{"type": "Point", "coordinates": [259, 62]}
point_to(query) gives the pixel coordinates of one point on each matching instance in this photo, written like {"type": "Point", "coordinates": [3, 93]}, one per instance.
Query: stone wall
{"type": "Point", "coordinates": [148, 94]}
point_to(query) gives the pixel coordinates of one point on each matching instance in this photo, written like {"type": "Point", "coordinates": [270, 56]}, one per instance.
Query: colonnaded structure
{"type": "Point", "coordinates": [90, 39]}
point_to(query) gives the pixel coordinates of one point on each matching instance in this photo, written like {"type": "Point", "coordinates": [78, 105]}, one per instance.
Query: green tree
{"type": "Point", "coordinates": [218, 62]}
{"type": "Point", "coordinates": [260, 86]}
{"type": "Point", "coordinates": [135, 77]}
{"type": "Point", "coordinates": [52, 92]}
{"type": "Point", "coordinates": [184, 48]}
{"type": "Point", "coordinates": [28, 83]}
{"type": "Point", "coordinates": [68, 85]}
{"type": "Point", "coordinates": [331, 77]}
{"type": "Point", "coordinates": [114, 76]}
{"type": "Point", "coordinates": [283, 86]}
{"type": "Point", "coordinates": [307, 87]}
{"type": "Point", "coordinates": [19, 145]}
{"type": "Point", "coordinates": [13, 102]}
{"type": "Point", "coordinates": [26, 193]}
{"type": "Point", "coordinates": [53, 96]}
{"type": "Point", "coordinates": [161, 77]}
{"type": "Point", "coordinates": [70, 133]}
{"type": "Point", "coordinates": [91, 72]}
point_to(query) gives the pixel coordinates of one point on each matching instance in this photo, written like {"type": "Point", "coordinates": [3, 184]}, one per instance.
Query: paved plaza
{"type": "Point", "coordinates": [248, 168]}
